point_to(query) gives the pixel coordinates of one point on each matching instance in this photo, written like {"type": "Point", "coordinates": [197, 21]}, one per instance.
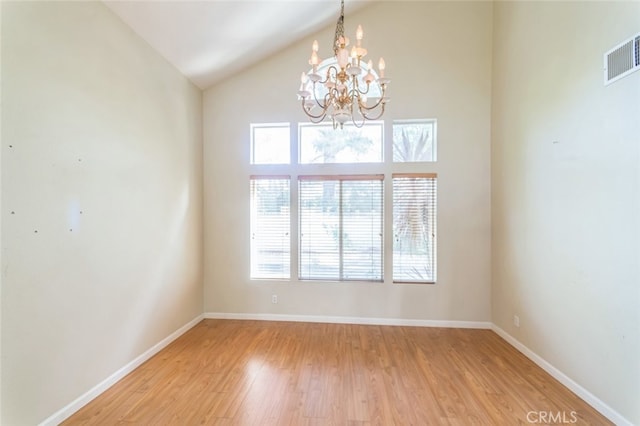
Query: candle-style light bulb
{"type": "Point", "coordinates": [314, 61]}
{"type": "Point", "coordinates": [303, 92]}
{"type": "Point", "coordinates": [381, 66]}
{"type": "Point", "coordinates": [359, 34]}
{"type": "Point", "coordinates": [303, 79]}
{"type": "Point", "coordinates": [314, 55]}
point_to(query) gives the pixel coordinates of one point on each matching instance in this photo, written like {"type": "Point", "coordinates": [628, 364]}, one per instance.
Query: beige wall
{"type": "Point", "coordinates": [1, 274]}
{"type": "Point", "coordinates": [439, 57]}
{"type": "Point", "coordinates": [566, 185]}
{"type": "Point", "coordinates": [101, 155]}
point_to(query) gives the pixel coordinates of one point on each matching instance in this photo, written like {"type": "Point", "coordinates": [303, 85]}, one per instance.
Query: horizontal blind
{"type": "Point", "coordinates": [341, 227]}
{"type": "Point", "coordinates": [270, 227]}
{"type": "Point", "coordinates": [414, 227]}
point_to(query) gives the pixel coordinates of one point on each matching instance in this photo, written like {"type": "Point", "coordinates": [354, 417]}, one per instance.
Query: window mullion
{"type": "Point", "coordinates": [340, 232]}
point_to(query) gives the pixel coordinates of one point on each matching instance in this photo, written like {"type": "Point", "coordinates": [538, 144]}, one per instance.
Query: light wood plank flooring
{"type": "Point", "coordinates": [226, 372]}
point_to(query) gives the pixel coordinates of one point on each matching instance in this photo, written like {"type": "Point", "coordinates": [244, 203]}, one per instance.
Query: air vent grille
{"type": "Point", "coordinates": [622, 60]}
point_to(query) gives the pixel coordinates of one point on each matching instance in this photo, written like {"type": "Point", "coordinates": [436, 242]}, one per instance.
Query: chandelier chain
{"type": "Point", "coordinates": [339, 29]}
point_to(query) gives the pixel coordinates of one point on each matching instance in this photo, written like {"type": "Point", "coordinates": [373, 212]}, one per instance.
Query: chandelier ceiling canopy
{"type": "Point", "coordinates": [343, 88]}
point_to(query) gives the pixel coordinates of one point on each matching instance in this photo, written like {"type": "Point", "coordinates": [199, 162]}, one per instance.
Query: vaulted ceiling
{"type": "Point", "coordinates": [210, 40]}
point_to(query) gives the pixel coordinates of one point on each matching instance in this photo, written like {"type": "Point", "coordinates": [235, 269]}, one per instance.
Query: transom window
{"type": "Point", "coordinates": [414, 141]}
{"type": "Point", "coordinates": [335, 219]}
{"type": "Point", "coordinates": [322, 144]}
{"type": "Point", "coordinates": [270, 143]}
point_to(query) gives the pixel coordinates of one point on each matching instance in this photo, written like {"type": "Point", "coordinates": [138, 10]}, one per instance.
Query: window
{"type": "Point", "coordinates": [323, 68]}
{"type": "Point", "coordinates": [321, 144]}
{"type": "Point", "coordinates": [270, 144]}
{"type": "Point", "coordinates": [270, 225]}
{"type": "Point", "coordinates": [414, 140]}
{"type": "Point", "coordinates": [318, 194]}
{"type": "Point", "coordinates": [414, 227]}
{"type": "Point", "coordinates": [341, 227]}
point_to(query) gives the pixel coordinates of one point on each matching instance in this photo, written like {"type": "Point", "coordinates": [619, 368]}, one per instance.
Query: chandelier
{"type": "Point", "coordinates": [338, 87]}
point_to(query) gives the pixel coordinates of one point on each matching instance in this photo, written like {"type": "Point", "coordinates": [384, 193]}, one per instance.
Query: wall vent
{"type": "Point", "coordinates": [622, 60]}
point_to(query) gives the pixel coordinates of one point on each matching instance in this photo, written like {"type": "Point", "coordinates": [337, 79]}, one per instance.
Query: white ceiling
{"type": "Point", "coordinates": [210, 40]}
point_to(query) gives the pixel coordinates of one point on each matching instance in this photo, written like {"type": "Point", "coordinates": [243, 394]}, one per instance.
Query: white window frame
{"type": "Point", "coordinates": [387, 168]}
{"type": "Point", "coordinates": [427, 229]}
{"type": "Point", "coordinates": [252, 139]}
{"type": "Point", "coordinates": [343, 255]}
{"type": "Point", "coordinates": [434, 125]}
{"type": "Point", "coordinates": [252, 231]}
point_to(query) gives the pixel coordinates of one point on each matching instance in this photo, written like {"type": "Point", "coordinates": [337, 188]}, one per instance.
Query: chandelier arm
{"type": "Point", "coordinates": [325, 101]}
{"type": "Point", "coordinates": [366, 92]}
{"type": "Point", "coordinates": [317, 120]}
{"type": "Point", "coordinates": [324, 105]}
{"type": "Point", "coordinates": [364, 114]}
{"type": "Point", "coordinates": [332, 71]}
{"type": "Point", "coordinates": [355, 91]}
{"type": "Point", "coordinates": [329, 69]}
{"type": "Point", "coordinates": [331, 95]}
{"type": "Point", "coordinates": [372, 107]}
{"type": "Point", "coordinates": [377, 104]}
{"type": "Point", "coordinates": [353, 94]}
{"type": "Point", "coordinates": [313, 116]}
{"type": "Point", "coordinates": [358, 123]}
{"type": "Point", "coordinates": [315, 98]}
{"type": "Point", "coordinates": [355, 123]}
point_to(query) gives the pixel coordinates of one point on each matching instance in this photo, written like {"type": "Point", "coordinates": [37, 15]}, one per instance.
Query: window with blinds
{"type": "Point", "coordinates": [414, 227]}
{"type": "Point", "coordinates": [270, 227]}
{"type": "Point", "coordinates": [341, 219]}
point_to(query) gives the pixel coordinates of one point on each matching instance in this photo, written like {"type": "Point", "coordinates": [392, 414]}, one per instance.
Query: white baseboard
{"type": "Point", "coordinates": [590, 398]}
{"type": "Point", "coordinates": [66, 412]}
{"type": "Point", "coordinates": [350, 320]}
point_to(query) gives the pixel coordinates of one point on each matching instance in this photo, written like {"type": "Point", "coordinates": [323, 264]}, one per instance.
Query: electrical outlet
{"type": "Point", "coordinates": [274, 298]}
{"type": "Point", "coordinates": [516, 321]}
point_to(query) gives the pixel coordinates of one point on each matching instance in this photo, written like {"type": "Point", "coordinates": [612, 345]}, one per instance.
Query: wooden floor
{"type": "Point", "coordinates": [225, 372]}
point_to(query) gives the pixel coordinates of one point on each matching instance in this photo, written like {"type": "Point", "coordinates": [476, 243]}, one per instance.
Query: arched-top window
{"type": "Point", "coordinates": [325, 65]}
